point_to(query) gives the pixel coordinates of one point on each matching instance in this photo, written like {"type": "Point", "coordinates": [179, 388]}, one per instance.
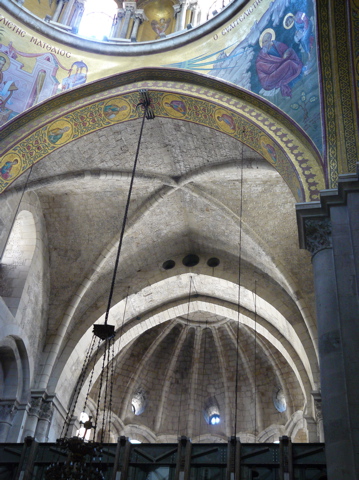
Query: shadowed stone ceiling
{"type": "Point", "coordinates": [188, 197]}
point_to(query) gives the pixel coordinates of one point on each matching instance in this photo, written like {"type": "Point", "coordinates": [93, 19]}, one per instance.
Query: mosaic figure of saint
{"type": "Point", "coordinates": [161, 26]}
{"type": "Point", "coordinates": [56, 134]}
{"type": "Point", "coordinates": [271, 152]}
{"type": "Point", "coordinates": [9, 87]}
{"type": "Point", "coordinates": [110, 111]}
{"type": "Point", "coordinates": [303, 32]}
{"type": "Point", "coordinates": [228, 120]}
{"type": "Point", "coordinates": [5, 170]}
{"type": "Point", "coordinates": [277, 65]}
{"type": "Point", "coordinates": [177, 105]}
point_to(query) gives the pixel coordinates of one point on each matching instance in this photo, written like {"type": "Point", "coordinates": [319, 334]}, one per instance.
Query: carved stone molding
{"type": "Point", "coordinates": [46, 411]}
{"type": "Point", "coordinates": [7, 412]}
{"type": "Point", "coordinates": [318, 405]}
{"type": "Point", "coordinates": [35, 406]}
{"type": "Point", "coordinates": [317, 234]}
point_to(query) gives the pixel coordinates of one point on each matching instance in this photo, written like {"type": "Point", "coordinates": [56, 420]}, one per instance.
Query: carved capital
{"type": "Point", "coordinates": [140, 14]}
{"type": "Point", "coordinates": [318, 405]}
{"type": "Point", "coordinates": [46, 411]}
{"type": "Point", "coordinates": [35, 406]}
{"type": "Point", "coordinates": [7, 412]}
{"type": "Point", "coordinates": [317, 234]}
{"type": "Point", "coordinates": [129, 6]}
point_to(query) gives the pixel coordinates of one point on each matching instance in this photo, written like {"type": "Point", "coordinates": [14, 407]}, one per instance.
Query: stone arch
{"type": "Point", "coordinates": [16, 260]}
{"type": "Point", "coordinates": [161, 313]}
{"type": "Point", "coordinates": [14, 384]}
{"type": "Point", "coordinates": [164, 313]}
{"type": "Point", "coordinates": [230, 110]}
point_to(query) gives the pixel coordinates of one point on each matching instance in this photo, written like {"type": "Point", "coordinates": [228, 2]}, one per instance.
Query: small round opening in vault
{"type": "Point", "coordinates": [190, 260]}
{"type": "Point", "coordinates": [213, 262]}
{"type": "Point", "coordinates": [168, 264]}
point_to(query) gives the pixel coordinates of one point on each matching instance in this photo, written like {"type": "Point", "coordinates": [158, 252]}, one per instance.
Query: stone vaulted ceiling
{"type": "Point", "coordinates": [181, 335]}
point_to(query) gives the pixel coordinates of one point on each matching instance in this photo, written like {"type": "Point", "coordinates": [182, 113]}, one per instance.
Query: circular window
{"type": "Point", "coordinates": [214, 419]}
{"type": "Point", "coordinates": [139, 402]}
{"type": "Point", "coordinates": [279, 401]}
{"type": "Point", "coordinates": [190, 260]}
{"type": "Point", "coordinates": [213, 262]}
{"type": "Point", "coordinates": [168, 264]}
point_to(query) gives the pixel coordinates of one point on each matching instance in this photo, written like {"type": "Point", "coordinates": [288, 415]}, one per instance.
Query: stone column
{"type": "Point", "coordinates": [129, 8]}
{"type": "Point", "coordinates": [329, 229]}
{"type": "Point", "coordinates": [77, 17]}
{"type": "Point", "coordinates": [67, 12]}
{"type": "Point", "coordinates": [177, 9]}
{"type": "Point", "coordinates": [7, 414]}
{"type": "Point", "coordinates": [319, 415]}
{"type": "Point", "coordinates": [182, 15]}
{"type": "Point", "coordinates": [57, 13]}
{"type": "Point", "coordinates": [43, 425]}
{"type": "Point", "coordinates": [119, 20]}
{"type": "Point", "coordinates": [32, 417]}
{"type": "Point", "coordinates": [139, 18]}
{"type": "Point", "coordinates": [195, 9]}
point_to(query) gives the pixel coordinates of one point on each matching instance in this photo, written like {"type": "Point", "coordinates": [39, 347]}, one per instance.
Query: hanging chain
{"type": "Point", "coordinates": [239, 290]}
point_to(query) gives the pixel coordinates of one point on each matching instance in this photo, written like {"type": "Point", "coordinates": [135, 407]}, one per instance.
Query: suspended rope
{"type": "Point", "coordinates": [145, 104]}
{"type": "Point", "coordinates": [187, 323]}
{"type": "Point", "coordinates": [203, 372]}
{"type": "Point", "coordinates": [239, 290]}
{"type": "Point", "coordinates": [78, 388]}
{"type": "Point", "coordinates": [255, 359]}
{"type": "Point", "coordinates": [104, 332]}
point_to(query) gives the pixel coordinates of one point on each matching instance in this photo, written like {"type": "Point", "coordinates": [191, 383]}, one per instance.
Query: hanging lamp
{"type": "Point", "coordinates": [84, 458]}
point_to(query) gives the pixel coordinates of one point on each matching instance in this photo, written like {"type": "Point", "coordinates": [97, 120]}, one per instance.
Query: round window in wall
{"type": "Point", "coordinates": [139, 402]}
{"type": "Point", "coordinates": [279, 400]}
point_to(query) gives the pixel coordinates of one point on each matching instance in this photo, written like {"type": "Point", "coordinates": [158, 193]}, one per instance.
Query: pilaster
{"type": "Point", "coordinates": [329, 229]}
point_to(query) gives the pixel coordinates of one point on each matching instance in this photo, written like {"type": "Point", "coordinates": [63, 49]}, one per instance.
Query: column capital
{"type": "Point", "coordinates": [313, 218]}
{"type": "Point", "coordinates": [317, 397]}
{"type": "Point", "coordinates": [140, 14]}
{"type": "Point", "coordinates": [7, 411]}
{"type": "Point", "coordinates": [317, 234]}
{"type": "Point", "coordinates": [129, 6]}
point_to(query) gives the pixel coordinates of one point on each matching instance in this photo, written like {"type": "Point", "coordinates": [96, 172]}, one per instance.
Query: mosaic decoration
{"type": "Point", "coordinates": [238, 120]}
{"type": "Point", "coordinates": [225, 121]}
{"type": "Point", "coordinates": [59, 132]}
{"type": "Point", "coordinates": [116, 110]}
{"type": "Point", "coordinates": [276, 59]}
{"type": "Point", "coordinates": [355, 42]}
{"type": "Point", "coordinates": [268, 149]}
{"type": "Point", "coordinates": [270, 49]}
{"type": "Point", "coordinates": [10, 166]}
{"type": "Point", "coordinates": [344, 77]}
{"type": "Point", "coordinates": [174, 106]}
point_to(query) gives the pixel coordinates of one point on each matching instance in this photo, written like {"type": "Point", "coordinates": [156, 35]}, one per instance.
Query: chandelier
{"type": "Point", "coordinates": [84, 458]}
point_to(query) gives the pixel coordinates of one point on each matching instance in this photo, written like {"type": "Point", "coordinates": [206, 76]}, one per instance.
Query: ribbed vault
{"type": "Point", "coordinates": [186, 335]}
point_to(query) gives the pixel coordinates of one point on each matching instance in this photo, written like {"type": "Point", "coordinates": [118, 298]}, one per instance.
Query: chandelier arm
{"type": "Point", "coordinates": [78, 387]}
{"type": "Point", "coordinates": [99, 390]}
{"type": "Point", "coordinates": [92, 374]}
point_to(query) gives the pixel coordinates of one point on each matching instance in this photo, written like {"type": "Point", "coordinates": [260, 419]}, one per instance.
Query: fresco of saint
{"type": "Point", "coordinates": [5, 170]}
{"type": "Point", "coordinates": [277, 65]}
